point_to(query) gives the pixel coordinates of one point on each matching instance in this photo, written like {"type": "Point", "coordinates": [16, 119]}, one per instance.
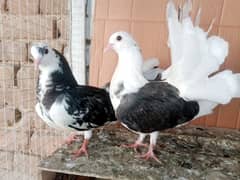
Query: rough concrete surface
{"type": "Point", "coordinates": [185, 153]}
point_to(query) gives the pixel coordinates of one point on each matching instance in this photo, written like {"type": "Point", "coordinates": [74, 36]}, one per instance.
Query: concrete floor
{"type": "Point", "coordinates": [185, 153]}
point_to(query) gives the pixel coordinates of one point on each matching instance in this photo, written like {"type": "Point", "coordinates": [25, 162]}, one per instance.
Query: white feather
{"type": "Point", "coordinates": [59, 114]}
{"type": "Point", "coordinates": [87, 134]}
{"type": "Point", "coordinates": [153, 137]}
{"type": "Point", "coordinates": [206, 107]}
{"type": "Point", "coordinates": [198, 17]}
{"type": "Point", "coordinates": [121, 74]}
{"type": "Point", "coordinates": [194, 57]}
{"type": "Point", "coordinates": [44, 117]}
{"type": "Point", "coordinates": [186, 9]}
{"type": "Point", "coordinates": [61, 117]}
{"type": "Point", "coordinates": [129, 76]}
{"type": "Point", "coordinates": [174, 28]}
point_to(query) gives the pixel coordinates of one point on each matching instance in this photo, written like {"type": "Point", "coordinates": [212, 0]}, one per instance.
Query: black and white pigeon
{"type": "Point", "coordinates": [191, 86]}
{"type": "Point", "coordinates": [62, 103]}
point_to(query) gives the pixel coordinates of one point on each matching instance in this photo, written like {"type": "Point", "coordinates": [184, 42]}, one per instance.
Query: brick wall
{"type": "Point", "coordinates": [24, 138]}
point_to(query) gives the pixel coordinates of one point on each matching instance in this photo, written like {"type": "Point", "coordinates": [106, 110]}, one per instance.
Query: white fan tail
{"type": "Point", "coordinates": [194, 58]}
{"type": "Point", "coordinates": [174, 28]}
{"type": "Point", "coordinates": [206, 107]}
{"type": "Point", "coordinates": [220, 88]}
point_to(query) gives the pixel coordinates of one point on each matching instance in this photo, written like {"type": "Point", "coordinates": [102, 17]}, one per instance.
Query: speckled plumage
{"type": "Point", "coordinates": [88, 107]}
{"type": "Point", "coordinates": [65, 105]}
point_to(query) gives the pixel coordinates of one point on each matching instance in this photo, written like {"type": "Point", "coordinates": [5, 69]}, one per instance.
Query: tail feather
{"type": "Point", "coordinates": [198, 17]}
{"type": "Point", "coordinates": [211, 25]}
{"type": "Point", "coordinates": [220, 88]}
{"type": "Point", "coordinates": [237, 85]}
{"type": "Point", "coordinates": [194, 58]}
{"type": "Point", "coordinates": [174, 28]}
{"type": "Point", "coordinates": [205, 108]}
{"type": "Point", "coordinates": [232, 82]}
{"type": "Point", "coordinates": [191, 49]}
{"type": "Point", "coordinates": [186, 9]}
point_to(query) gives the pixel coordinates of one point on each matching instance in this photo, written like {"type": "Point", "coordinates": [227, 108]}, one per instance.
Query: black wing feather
{"type": "Point", "coordinates": [89, 105]}
{"type": "Point", "coordinates": [156, 106]}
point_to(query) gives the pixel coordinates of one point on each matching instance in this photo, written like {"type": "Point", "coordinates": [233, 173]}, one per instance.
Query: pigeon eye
{"type": "Point", "coordinates": [46, 51]}
{"type": "Point", "coordinates": [119, 38]}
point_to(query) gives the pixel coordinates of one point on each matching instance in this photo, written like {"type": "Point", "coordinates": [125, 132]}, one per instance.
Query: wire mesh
{"type": "Point", "coordinates": [24, 138]}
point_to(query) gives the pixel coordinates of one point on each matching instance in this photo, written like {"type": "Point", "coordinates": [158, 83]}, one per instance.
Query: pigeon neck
{"type": "Point", "coordinates": [57, 79]}
{"type": "Point", "coordinates": [130, 69]}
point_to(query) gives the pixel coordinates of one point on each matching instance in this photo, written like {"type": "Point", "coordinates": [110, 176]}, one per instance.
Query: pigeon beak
{"type": "Point", "coordinates": [108, 48]}
{"type": "Point", "coordinates": [37, 53]}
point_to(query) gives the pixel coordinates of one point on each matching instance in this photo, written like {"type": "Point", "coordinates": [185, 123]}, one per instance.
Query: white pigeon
{"type": "Point", "coordinates": [188, 89]}
{"type": "Point", "coordinates": [62, 103]}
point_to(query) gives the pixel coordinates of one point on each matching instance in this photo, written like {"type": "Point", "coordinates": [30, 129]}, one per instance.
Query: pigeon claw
{"type": "Point", "coordinates": [149, 155]}
{"type": "Point", "coordinates": [71, 139]}
{"type": "Point", "coordinates": [135, 145]}
{"type": "Point", "coordinates": [82, 150]}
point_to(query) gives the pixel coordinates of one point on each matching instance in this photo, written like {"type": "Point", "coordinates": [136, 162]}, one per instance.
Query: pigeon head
{"type": "Point", "coordinates": [51, 62]}
{"type": "Point", "coordinates": [44, 56]}
{"type": "Point", "coordinates": [119, 41]}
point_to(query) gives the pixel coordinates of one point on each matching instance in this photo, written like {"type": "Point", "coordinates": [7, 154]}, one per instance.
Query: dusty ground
{"type": "Point", "coordinates": [185, 153]}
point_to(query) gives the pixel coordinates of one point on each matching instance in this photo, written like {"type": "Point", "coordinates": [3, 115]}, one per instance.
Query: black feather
{"type": "Point", "coordinates": [156, 106]}
{"type": "Point", "coordinates": [89, 105]}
